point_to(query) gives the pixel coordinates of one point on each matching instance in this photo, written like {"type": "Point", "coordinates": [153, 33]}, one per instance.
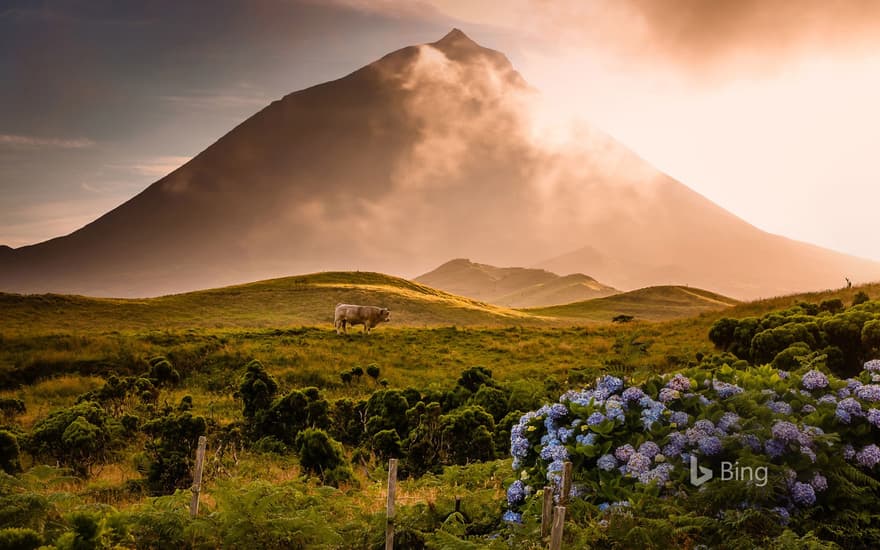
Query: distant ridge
{"type": "Point", "coordinates": [513, 286]}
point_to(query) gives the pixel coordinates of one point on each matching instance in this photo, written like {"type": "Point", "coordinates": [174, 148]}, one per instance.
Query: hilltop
{"type": "Point", "coordinates": [658, 303]}
{"type": "Point", "coordinates": [283, 302]}
{"type": "Point", "coordinates": [517, 287]}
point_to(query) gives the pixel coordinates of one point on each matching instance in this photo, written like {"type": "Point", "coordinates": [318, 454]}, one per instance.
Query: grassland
{"type": "Point", "coordinates": [657, 303]}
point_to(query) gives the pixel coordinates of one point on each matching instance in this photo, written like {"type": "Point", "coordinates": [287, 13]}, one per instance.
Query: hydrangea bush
{"type": "Point", "coordinates": [816, 435]}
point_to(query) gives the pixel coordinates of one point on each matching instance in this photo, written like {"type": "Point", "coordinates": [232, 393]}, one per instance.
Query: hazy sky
{"type": "Point", "coordinates": [767, 107]}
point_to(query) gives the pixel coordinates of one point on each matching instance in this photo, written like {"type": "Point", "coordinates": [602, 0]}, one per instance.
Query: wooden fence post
{"type": "Point", "coordinates": [389, 505]}
{"type": "Point", "coordinates": [558, 522]}
{"type": "Point", "coordinates": [566, 484]}
{"type": "Point", "coordinates": [197, 477]}
{"type": "Point", "coordinates": [547, 511]}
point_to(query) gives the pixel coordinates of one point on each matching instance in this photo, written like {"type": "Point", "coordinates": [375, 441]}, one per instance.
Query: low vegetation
{"type": "Point", "coordinates": [99, 423]}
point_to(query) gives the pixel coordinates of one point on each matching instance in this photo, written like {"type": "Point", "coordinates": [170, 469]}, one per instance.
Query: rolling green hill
{"type": "Point", "coordinates": [656, 303]}
{"type": "Point", "coordinates": [301, 300]}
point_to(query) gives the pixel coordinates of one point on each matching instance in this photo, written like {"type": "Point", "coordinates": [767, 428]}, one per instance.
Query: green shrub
{"type": "Point", "coordinates": [15, 538]}
{"type": "Point", "coordinates": [321, 455]}
{"type": "Point", "coordinates": [9, 452]}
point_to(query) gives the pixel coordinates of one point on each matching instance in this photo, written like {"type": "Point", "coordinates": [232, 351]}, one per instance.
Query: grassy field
{"type": "Point", "coordinates": [657, 303]}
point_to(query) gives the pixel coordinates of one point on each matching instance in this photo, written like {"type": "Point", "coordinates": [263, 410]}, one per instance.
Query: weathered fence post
{"type": "Point", "coordinates": [389, 506]}
{"type": "Point", "coordinates": [197, 477]}
{"type": "Point", "coordinates": [558, 522]}
{"type": "Point", "coordinates": [547, 511]}
{"type": "Point", "coordinates": [566, 484]}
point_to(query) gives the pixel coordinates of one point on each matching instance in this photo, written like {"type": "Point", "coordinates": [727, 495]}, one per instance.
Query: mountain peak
{"type": "Point", "coordinates": [456, 37]}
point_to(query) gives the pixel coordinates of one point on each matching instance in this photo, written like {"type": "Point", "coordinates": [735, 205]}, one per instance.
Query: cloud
{"type": "Point", "coordinates": [702, 37]}
{"type": "Point", "coordinates": [30, 142]}
{"type": "Point", "coordinates": [159, 166]}
{"type": "Point", "coordinates": [216, 102]}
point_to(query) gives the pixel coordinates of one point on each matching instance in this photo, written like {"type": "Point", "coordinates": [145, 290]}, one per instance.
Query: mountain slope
{"type": "Point", "coordinates": [657, 303]}
{"type": "Point", "coordinates": [303, 300]}
{"type": "Point", "coordinates": [432, 152]}
{"type": "Point", "coordinates": [513, 286]}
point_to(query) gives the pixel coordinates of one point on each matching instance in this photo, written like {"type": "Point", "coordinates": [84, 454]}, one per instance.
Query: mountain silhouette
{"type": "Point", "coordinates": [429, 153]}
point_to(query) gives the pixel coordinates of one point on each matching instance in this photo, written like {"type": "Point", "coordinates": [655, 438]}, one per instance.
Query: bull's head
{"type": "Point", "coordinates": [385, 315]}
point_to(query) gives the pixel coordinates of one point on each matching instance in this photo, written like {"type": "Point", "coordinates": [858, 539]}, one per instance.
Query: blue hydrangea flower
{"type": "Point", "coordinates": [725, 390]}
{"type": "Point", "coordinates": [516, 493]}
{"type": "Point", "coordinates": [705, 425]}
{"type": "Point", "coordinates": [784, 374]}
{"type": "Point", "coordinates": [586, 440]}
{"type": "Point", "coordinates": [869, 456]}
{"type": "Point", "coordinates": [565, 434]}
{"type": "Point", "coordinates": [869, 392]}
{"type": "Point", "coordinates": [710, 446]}
{"type": "Point", "coordinates": [609, 384]}
{"type": "Point", "coordinates": [557, 411]}
{"type": "Point", "coordinates": [819, 482]}
{"type": "Point", "coordinates": [595, 418]}
{"type": "Point", "coordinates": [679, 418]}
{"type": "Point", "coordinates": [803, 494]}
{"type": "Point", "coordinates": [852, 384]}
{"type": "Point", "coordinates": [808, 409]}
{"type": "Point", "coordinates": [649, 449]}
{"type": "Point", "coordinates": [873, 365]}
{"type": "Point", "coordinates": [814, 380]}
{"type": "Point", "coordinates": [848, 452]}
{"type": "Point", "coordinates": [843, 392]}
{"type": "Point", "coordinates": [785, 431]}
{"type": "Point", "coordinates": [519, 446]}
{"type": "Point", "coordinates": [606, 463]}
{"type": "Point", "coordinates": [555, 453]}
{"type": "Point", "coordinates": [679, 383]}
{"type": "Point", "coordinates": [511, 517]}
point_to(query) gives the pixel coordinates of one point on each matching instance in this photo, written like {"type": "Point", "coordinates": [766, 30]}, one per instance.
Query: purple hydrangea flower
{"type": "Point", "coordinates": [784, 515]}
{"type": "Point", "coordinates": [659, 473]}
{"type": "Point", "coordinates": [638, 464]}
{"type": "Point", "coordinates": [874, 417]}
{"type": "Point", "coordinates": [785, 431]}
{"type": "Point", "coordinates": [784, 374]}
{"type": "Point", "coordinates": [814, 380]}
{"type": "Point", "coordinates": [873, 365]}
{"type": "Point", "coordinates": [623, 452]}
{"type": "Point", "coordinates": [595, 418]}
{"type": "Point", "coordinates": [774, 448]}
{"type": "Point", "coordinates": [852, 384]}
{"type": "Point", "coordinates": [869, 456]}
{"type": "Point", "coordinates": [606, 462]}
{"type": "Point", "coordinates": [705, 425]}
{"type": "Point", "coordinates": [819, 482]}
{"type": "Point", "coordinates": [779, 407]}
{"type": "Point", "coordinates": [751, 441]}
{"type": "Point", "coordinates": [828, 399]}
{"type": "Point", "coordinates": [808, 452]}
{"type": "Point", "coordinates": [516, 493]}
{"type": "Point", "coordinates": [847, 408]}
{"type": "Point", "coordinates": [728, 420]}
{"type": "Point", "coordinates": [803, 494]}
{"type": "Point", "coordinates": [808, 409]}
{"type": "Point", "coordinates": [843, 392]}
{"type": "Point", "coordinates": [710, 446]}
{"type": "Point", "coordinates": [649, 449]}
{"type": "Point", "coordinates": [869, 392]}
{"type": "Point", "coordinates": [668, 394]}
{"type": "Point", "coordinates": [848, 452]}
{"type": "Point", "coordinates": [679, 383]}
{"type": "Point", "coordinates": [632, 394]}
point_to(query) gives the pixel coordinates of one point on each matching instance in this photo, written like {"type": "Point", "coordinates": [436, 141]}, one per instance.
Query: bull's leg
{"type": "Point", "coordinates": [336, 326]}
{"type": "Point", "coordinates": [366, 327]}
{"type": "Point", "coordinates": [345, 326]}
